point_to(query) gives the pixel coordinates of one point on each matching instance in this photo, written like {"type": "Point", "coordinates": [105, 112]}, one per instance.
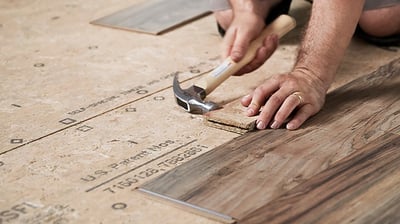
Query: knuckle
{"type": "Point", "coordinates": [276, 77]}
{"type": "Point", "coordinates": [291, 84]}
{"type": "Point", "coordinates": [275, 99]}
{"type": "Point", "coordinates": [271, 47]}
{"type": "Point", "coordinates": [239, 47]}
{"type": "Point", "coordinates": [259, 90]}
{"type": "Point", "coordinates": [279, 78]}
{"type": "Point", "coordinates": [280, 116]}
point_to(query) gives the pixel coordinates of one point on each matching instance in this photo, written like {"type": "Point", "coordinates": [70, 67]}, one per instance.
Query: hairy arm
{"type": "Point", "coordinates": [327, 36]}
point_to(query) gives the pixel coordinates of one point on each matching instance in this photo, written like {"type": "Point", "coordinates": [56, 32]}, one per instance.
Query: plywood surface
{"type": "Point", "coordinates": [91, 169]}
{"type": "Point", "coordinates": [247, 173]}
{"type": "Point", "coordinates": [58, 70]}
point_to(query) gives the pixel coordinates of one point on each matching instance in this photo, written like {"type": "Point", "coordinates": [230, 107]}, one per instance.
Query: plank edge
{"type": "Point", "coordinates": [187, 206]}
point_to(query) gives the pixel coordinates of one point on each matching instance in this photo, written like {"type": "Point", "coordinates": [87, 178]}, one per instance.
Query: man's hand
{"type": "Point", "coordinates": [295, 96]}
{"type": "Point", "coordinates": [244, 23]}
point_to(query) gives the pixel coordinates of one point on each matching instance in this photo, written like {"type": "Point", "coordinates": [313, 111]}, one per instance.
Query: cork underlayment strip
{"type": "Point", "coordinates": [231, 118]}
{"type": "Point", "coordinates": [155, 16]}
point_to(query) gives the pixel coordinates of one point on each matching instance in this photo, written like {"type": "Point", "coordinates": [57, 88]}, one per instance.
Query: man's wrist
{"type": "Point", "coordinates": [323, 78]}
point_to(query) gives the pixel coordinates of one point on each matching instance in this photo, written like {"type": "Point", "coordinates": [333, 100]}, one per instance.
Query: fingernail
{"type": "Point", "coordinates": [236, 56]}
{"type": "Point", "coordinates": [290, 126]}
{"type": "Point", "coordinates": [275, 125]}
{"type": "Point", "coordinates": [260, 125]}
{"type": "Point", "coordinates": [250, 111]}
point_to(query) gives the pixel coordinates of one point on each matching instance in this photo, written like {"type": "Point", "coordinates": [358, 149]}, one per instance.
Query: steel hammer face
{"type": "Point", "coordinates": [191, 99]}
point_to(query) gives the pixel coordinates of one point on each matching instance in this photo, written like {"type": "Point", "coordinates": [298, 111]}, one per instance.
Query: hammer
{"type": "Point", "coordinates": [192, 98]}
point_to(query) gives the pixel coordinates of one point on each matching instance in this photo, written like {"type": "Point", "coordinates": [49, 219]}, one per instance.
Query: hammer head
{"type": "Point", "coordinates": [191, 99]}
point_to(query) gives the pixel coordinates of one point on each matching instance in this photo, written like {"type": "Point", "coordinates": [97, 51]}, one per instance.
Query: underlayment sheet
{"type": "Point", "coordinates": [156, 16]}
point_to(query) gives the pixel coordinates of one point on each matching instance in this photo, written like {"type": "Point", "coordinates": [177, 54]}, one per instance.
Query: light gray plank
{"type": "Point", "coordinates": [155, 16]}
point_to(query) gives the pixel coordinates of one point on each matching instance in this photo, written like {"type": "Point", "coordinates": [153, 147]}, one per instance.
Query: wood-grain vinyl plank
{"type": "Point", "coordinates": [362, 188]}
{"type": "Point", "coordinates": [252, 170]}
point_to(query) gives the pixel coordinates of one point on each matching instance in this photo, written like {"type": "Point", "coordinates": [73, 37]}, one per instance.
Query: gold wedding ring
{"type": "Point", "coordinates": [298, 95]}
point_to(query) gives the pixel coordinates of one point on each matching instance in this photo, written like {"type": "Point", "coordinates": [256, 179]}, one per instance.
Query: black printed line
{"type": "Point", "coordinates": [133, 169]}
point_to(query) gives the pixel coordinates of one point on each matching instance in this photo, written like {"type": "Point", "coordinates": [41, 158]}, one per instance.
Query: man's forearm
{"type": "Point", "coordinates": [327, 36]}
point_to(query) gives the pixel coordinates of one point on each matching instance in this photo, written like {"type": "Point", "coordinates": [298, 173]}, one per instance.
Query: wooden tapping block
{"type": "Point", "coordinates": [231, 118]}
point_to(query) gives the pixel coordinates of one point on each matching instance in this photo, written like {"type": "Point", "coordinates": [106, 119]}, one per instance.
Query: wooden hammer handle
{"type": "Point", "coordinates": [280, 26]}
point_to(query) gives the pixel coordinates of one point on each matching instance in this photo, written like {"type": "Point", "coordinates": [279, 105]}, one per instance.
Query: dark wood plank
{"type": "Point", "coordinates": [249, 172]}
{"type": "Point", "coordinates": [363, 188]}
{"type": "Point", "coordinates": [155, 16]}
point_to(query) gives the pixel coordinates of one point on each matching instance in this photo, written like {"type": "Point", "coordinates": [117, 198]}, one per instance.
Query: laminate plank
{"type": "Point", "coordinates": [250, 171]}
{"type": "Point", "coordinates": [362, 188]}
{"type": "Point", "coordinates": [155, 16]}
{"type": "Point", "coordinates": [396, 130]}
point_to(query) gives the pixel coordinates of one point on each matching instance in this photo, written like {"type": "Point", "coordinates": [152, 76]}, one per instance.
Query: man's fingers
{"type": "Point", "coordinates": [301, 116]}
{"type": "Point", "coordinates": [270, 43]}
{"type": "Point", "coordinates": [258, 61]}
{"type": "Point", "coordinates": [271, 106]}
{"type": "Point", "coordinates": [224, 18]}
{"type": "Point", "coordinates": [259, 97]}
{"type": "Point", "coordinates": [228, 42]}
{"type": "Point", "coordinates": [288, 106]}
{"type": "Point", "coordinates": [262, 96]}
{"type": "Point", "coordinates": [240, 46]}
{"type": "Point", "coordinates": [246, 100]}
{"type": "Point", "coordinates": [262, 55]}
{"type": "Point", "coordinates": [282, 96]}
